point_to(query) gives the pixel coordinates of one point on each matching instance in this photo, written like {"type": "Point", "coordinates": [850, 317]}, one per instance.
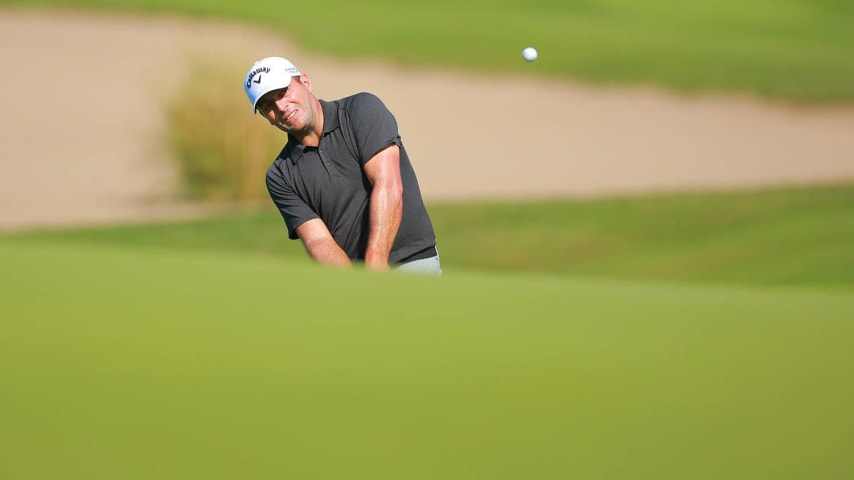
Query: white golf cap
{"type": "Point", "coordinates": [266, 75]}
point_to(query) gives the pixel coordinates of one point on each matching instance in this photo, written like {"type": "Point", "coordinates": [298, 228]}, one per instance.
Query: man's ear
{"type": "Point", "coordinates": [306, 81]}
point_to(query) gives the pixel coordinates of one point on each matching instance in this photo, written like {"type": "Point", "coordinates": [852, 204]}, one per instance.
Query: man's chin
{"type": "Point", "coordinates": [293, 129]}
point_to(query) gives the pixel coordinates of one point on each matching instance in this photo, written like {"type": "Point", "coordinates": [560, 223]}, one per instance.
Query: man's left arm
{"type": "Point", "coordinates": [386, 205]}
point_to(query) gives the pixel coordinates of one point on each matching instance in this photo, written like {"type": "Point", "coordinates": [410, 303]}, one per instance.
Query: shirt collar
{"type": "Point", "coordinates": [330, 116]}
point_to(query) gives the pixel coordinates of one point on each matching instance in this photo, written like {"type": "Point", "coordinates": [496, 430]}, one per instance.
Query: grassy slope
{"type": "Point", "coordinates": [779, 236]}
{"type": "Point", "coordinates": [116, 363]}
{"type": "Point", "coordinates": [792, 236]}
{"type": "Point", "coordinates": [798, 49]}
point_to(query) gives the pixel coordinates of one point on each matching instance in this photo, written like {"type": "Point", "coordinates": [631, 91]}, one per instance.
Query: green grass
{"type": "Point", "coordinates": [791, 49]}
{"type": "Point", "coordinates": [785, 236]}
{"type": "Point", "coordinates": [138, 364]}
{"type": "Point", "coordinates": [776, 236]}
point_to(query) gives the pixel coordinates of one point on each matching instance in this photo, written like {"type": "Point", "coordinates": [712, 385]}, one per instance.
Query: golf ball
{"type": "Point", "coordinates": [529, 54]}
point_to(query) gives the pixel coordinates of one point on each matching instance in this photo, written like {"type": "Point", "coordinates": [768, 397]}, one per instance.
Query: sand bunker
{"type": "Point", "coordinates": [83, 121]}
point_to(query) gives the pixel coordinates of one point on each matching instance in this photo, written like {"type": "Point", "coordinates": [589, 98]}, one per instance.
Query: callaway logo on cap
{"type": "Point", "coordinates": [266, 75]}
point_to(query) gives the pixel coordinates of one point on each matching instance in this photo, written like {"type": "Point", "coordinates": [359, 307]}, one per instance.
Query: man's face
{"type": "Point", "coordinates": [291, 109]}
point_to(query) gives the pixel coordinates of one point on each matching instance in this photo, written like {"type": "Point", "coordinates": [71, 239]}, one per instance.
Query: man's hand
{"type": "Point", "coordinates": [320, 245]}
{"type": "Point", "coordinates": [386, 205]}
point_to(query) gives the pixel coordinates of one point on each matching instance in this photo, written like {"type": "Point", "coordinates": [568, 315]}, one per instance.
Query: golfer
{"type": "Point", "coordinates": [343, 182]}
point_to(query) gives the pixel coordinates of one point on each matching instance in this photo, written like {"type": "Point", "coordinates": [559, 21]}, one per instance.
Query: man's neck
{"type": "Point", "coordinates": [313, 136]}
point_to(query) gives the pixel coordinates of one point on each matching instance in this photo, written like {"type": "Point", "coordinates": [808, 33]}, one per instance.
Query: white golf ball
{"type": "Point", "coordinates": [529, 54]}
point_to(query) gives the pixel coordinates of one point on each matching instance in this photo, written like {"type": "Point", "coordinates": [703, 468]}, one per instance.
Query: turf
{"type": "Point", "coordinates": [782, 236]}
{"type": "Point", "coordinates": [794, 49]}
{"type": "Point", "coordinates": [121, 363]}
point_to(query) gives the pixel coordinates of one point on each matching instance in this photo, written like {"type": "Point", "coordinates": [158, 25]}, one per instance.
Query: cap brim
{"type": "Point", "coordinates": [268, 90]}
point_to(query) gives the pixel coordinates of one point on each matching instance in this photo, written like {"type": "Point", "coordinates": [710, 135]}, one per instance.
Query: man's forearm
{"type": "Point", "coordinates": [386, 210]}
{"type": "Point", "coordinates": [327, 252]}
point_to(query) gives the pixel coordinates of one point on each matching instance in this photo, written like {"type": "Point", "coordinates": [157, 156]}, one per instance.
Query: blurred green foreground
{"type": "Point", "coordinates": [116, 363]}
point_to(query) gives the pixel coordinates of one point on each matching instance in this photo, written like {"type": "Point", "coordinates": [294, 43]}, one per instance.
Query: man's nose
{"type": "Point", "coordinates": [280, 104]}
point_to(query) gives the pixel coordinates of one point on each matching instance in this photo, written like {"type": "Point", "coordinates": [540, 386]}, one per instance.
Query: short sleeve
{"type": "Point", "coordinates": [374, 126]}
{"type": "Point", "coordinates": [294, 210]}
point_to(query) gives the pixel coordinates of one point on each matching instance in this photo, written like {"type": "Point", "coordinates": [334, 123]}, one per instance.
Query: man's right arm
{"type": "Point", "coordinates": [320, 245]}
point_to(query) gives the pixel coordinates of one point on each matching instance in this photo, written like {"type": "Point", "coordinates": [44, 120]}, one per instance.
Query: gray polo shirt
{"type": "Point", "coordinates": [328, 181]}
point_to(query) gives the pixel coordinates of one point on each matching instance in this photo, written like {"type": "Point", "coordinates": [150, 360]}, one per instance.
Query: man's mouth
{"type": "Point", "coordinates": [290, 116]}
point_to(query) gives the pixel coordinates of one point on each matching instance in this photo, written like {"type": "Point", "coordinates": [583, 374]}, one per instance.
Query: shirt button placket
{"type": "Point", "coordinates": [326, 163]}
